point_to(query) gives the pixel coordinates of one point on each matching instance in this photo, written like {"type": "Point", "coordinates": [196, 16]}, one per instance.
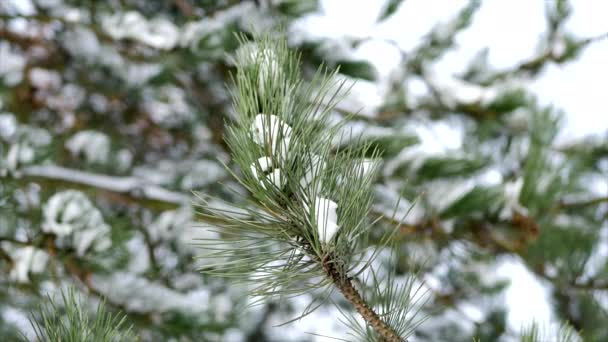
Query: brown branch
{"type": "Point", "coordinates": [70, 262]}
{"type": "Point", "coordinates": [350, 292]}
{"type": "Point", "coordinates": [591, 284]}
{"type": "Point", "coordinates": [151, 250]}
{"type": "Point", "coordinates": [15, 38]}
{"type": "Point", "coordinates": [587, 203]}
{"type": "Point", "coordinates": [185, 7]}
{"type": "Point", "coordinates": [534, 65]}
{"type": "Point", "coordinates": [4, 255]}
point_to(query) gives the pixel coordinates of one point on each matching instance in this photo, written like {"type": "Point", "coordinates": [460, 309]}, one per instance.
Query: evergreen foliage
{"type": "Point", "coordinates": [70, 320]}
{"type": "Point", "coordinates": [311, 201]}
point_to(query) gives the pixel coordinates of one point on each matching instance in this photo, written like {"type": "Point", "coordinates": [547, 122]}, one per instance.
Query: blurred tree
{"type": "Point", "coordinates": [112, 113]}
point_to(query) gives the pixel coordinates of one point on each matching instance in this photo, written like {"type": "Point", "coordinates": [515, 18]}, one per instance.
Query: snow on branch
{"type": "Point", "coordinates": [127, 185]}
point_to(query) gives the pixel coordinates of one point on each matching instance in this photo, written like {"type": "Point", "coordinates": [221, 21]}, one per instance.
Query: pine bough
{"type": "Point", "coordinates": [306, 230]}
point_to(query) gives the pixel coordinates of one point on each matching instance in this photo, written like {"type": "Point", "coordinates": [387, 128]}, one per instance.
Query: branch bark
{"type": "Point", "coordinates": [350, 292]}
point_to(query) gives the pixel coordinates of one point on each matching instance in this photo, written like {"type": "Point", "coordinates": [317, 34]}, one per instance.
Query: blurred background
{"type": "Point", "coordinates": [490, 115]}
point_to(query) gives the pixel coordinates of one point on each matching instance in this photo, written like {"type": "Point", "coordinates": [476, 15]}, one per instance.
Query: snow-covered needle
{"type": "Point", "coordinates": [325, 218]}
{"type": "Point", "coordinates": [271, 132]}
{"type": "Point", "coordinates": [264, 165]}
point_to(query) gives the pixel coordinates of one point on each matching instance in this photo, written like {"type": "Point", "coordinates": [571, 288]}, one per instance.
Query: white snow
{"type": "Point", "coordinates": [27, 260]}
{"type": "Point", "coordinates": [388, 199]}
{"type": "Point", "coordinates": [268, 69]}
{"type": "Point", "coordinates": [19, 154]}
{"type": "Point", "coordinates": [158, 33]}
{"type": "Point", "coordinates": [95, 146]}
{"type": "Point", "coordinates": [124, 159]}
{"type": "Point", "coordinates": [512, 190]}
{"type": "Point", "coordinates": [141, 295]}
{"type": "Point", "coordinates": [273, 175]}
{"type": "Point", "coordinates": [366, 165]}
{"type": "Point", "coordinates": [527, 297]}
{"type": "Point", "coordinates": [437, 139]}
{"type": "Point", "coordinates": [455, 91]}
{"type": "Point", "coordinates": [195, 234]}
{"type": "Point", "coordinates": [8, 126]}
{"type": "Point", "coordinates": [11, 68]}
{"type": "Point", "coordinates": [359, 96]}
{"type": "Point", "coordinates": [44, 79]}
{"type": "Point", "coordinates": [83, 43]}
{"type": "Point", "coordinates": [271, 132]}
{"type": "Point", "coordinates": [167, 106]}
{"type": "Point", "coordinates": [26, 140]}
{"type": "Point", "coordinates": [208, 27]}
{"type": "Point", "coordinates": [169, 223]}
{"type": "Point", "coordinates": [139, 261]}
{"type": "Point", "coordinates": [95, 237]}
{"type": "Point", "coordinates": [315, 323]}
{"type": "Point", "coordinates": [71, 213]}
{"type": "Point", "coordinates": [202, 172]}
{"type": "Point", "coordinates": [18, 318]}
{"type": "Point", "coordinates": [324, 216]}
{"type": "Point", "coordinates": [441, 194]}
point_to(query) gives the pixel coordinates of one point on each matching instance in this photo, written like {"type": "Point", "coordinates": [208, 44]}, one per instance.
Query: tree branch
{"type": "Point", "coordinates": [185, 7]}
{"type": "Point", "coordinates": [587, 203]}
{"type": "Point", "coordinates": [345, 285]}
{"type": "Point", "coordinates": [130, 186]}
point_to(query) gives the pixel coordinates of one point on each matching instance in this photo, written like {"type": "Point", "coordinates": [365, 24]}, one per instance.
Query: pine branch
{"type": "Point", "coordinates": [591, 284]}
{"type": "Point", "coordinates": [534, 65]}
{"type": "Point", "coordinates": [290, 239]}
{"type": "Point", "coordinates": [350, 292]}
{"type": "Point", "coordinates": [581, 204]}
{"type": "Point", "coordinates": [78, 324]}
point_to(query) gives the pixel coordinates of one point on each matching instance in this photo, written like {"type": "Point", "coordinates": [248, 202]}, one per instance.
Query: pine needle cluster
{"type": "Point", "coordinates": [67, 318]}
{"type": "Point", "coordinates": [306, 227]}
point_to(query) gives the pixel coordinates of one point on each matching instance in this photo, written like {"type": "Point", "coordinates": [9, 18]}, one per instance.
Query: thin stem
{"type": "Point", "coordinates": [350, 292]}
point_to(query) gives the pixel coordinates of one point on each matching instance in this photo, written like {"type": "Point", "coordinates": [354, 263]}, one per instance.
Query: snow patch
{"type": "Point", "coordinates": [169, 222]}
{"type": "Point", "coordinates": [202, 172]}
{"type": "Point", "coordinates": [158, 33]}
{"type": "Point", "coordinates": [273, 175]}
{"type": "Point", "coordinates": [141, 295]}
{"type": "Point", "coordinates": [11, 68]}
{"type": "Point", "coordinates": [527, 298]}
{"type": "Point", "coordinates": [95, 146]}
{"type": "Point", "coordinates": [73, 219]}
{"type": "Point", "coordinates": [408, 212]}
{"type": "Point", "coordinates": [167, 106]}
{"type": "Point", "coordinates": [270, 131]}
{"type": "Point", "coordinates": [324, 217]}
{"type": "Point", "coordinates": [27, 260]}
{"type": "Point", "coordinates": [512, 191]}
{"type": "Point", "coordinates": [442, 194]}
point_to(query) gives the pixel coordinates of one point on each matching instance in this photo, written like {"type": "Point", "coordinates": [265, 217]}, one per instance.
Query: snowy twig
{"type": "Point", "coordinates": [71, 264]}
{"type": "Point", "coordinates": [534, 65]}
{"type": "Point", "coordinates": [585, 203]}
{"type": "Point", "coordinates": [125, 185]}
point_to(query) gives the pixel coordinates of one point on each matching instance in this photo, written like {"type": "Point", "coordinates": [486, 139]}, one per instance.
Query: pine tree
{"type": "Point", "coordinates": [310, 204]}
